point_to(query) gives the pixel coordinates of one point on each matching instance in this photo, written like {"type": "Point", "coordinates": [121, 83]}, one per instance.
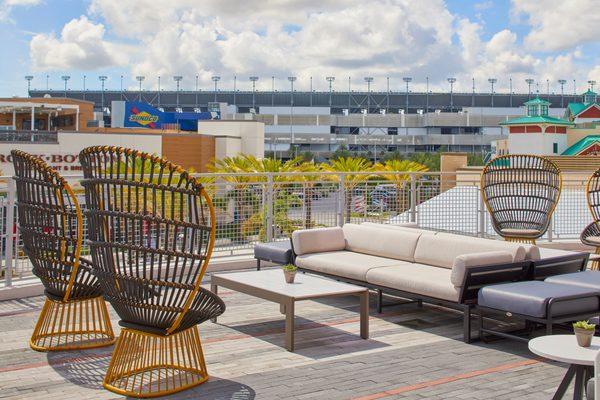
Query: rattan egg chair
{"type": "Point", "coordinates": [152, 234]}
{"type": "Point", "coordinates": [521, 193]}
{"type": "Point", "coordinates": [74, 315]}
{"type": "Point", "coordinates": [591, 234]}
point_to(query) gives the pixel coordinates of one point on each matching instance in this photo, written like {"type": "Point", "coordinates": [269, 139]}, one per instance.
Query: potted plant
{"type": "Point", "coordinates": [289, 271]}
{"type": "Point", "coordinates": [584, 331]}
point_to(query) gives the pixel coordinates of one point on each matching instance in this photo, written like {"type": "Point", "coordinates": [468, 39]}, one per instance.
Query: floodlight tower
{"type": "Point", "coordinates": [562, 82]}
{"type": "Point", "coordinates": [47, 82]}
{"type": "Point", "coordinates": [140, 79]}
{"type": "Point", "coordinates": [216, 79]}
{"type": "Point", "coordinates": [529, 83]}
{"type": "Point", "coordinates": [66, 79]}
{"type": "Point", "coordinates": [592, 84]}
{"type": "Point", "coordinates": [102, 79]}
{"type": "Point", "coordinates": [407, 80]}
{"type": "Point", "coordinates": [253, 79]}
{"type": "Point", "coordinates": [368, 79]}
{"type": "Point", "coordinates": [292, 79]}
{"type": "Point", "coordinates": [492, 81]}
{"type": "Point", "coordinates": [177, 79]}
{"type": "Point", "coordinates": [451, 81]}
{"type": "Point", "coordinates": [28, 78]}
{"type": "Point", "coordinates": [330, 80]}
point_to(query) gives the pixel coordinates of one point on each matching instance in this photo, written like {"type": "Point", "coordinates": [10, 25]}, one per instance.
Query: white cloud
{"type": "Point", "coordinates": [380, 38]}
{"type": "Point", "coordinates": [6, 7]}
{"type": "Point", "coordinates": [81, 45]}
{"type": "Point", "coordinates": [558, 24]}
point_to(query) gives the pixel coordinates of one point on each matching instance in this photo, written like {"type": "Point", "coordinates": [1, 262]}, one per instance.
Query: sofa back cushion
{"type": "Point", "coordinates": [319, 240]}
{"type": "Point", "coordinates": [441, 249]}
{"type": "Point", "coordinates": [406, 226]}
{"type": "Point", "coordinates": [398, 244]}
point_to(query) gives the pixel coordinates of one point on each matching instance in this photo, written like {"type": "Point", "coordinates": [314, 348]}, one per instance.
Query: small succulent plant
{"type": "Point", "coordinates": [290, 268]}
{"type": "Point", "coordinates": [584, 325]}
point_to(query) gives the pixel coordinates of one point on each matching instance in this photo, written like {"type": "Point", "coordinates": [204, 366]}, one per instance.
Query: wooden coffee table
{"type": "Point", "coordinates": [270, 285]}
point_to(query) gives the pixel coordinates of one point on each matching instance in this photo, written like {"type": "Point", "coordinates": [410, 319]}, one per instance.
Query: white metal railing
{"type": "Point", "coordinates": [253, 208]}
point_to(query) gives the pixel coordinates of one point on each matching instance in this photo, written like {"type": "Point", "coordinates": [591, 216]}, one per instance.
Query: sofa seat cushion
{"type": "Point", "coordinates": [531, 298]}
{"type": "Point", "coordinates": [585, 279]}
{"type": "Point", "coordinates": [441, 249]}
{"type": "Point", "coordinates": [593, 239]}
{"type": "Point", "coordinates": [345, 264]}
{"type": "Point", "coordinates": [416, 278]}
{"type": "Point", "coordinates": [318, 240]}
{"type": "Point", "coordinates": [519, 232]}
{"type": "Point", "coordinates": [399, 244]}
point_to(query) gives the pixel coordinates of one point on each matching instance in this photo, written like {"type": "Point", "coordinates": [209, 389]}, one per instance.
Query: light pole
{"type": "Point", "coordinates": [102, 79]}
{"type": "Point", "coordinates": [407, 80]}
{"type": "Point", "coordinates": [492, 81]}
{"type": "Point", "coordinates": [66, 79]}
{"type": "Point", "coordinates": [562, 82]}
{"type": "Point", "coordinates": [140, 79]}
{"type": "Point", "coordinates": [574, 87]}
{"type": "Point", "coordinates": [121, 87]}
{"type": "Point", "coordinates": [216, 79]}
{"type": "Point", "coordinates": [330, 80]}
{"type": "Point", "coordinates": [368, 79]}
{"type": "Point", "coordinates": [592, 84]}
{"type": "Point", "coordinates": [426, 94]}
{"type": "Point", "coordinates": [253, 79]}
{"type": "Point", "coordinates": [177, 79]}
{"type": "Point", "coordinates": [47, 82]}
{"type": "Point", "coordinates": [547, 89]}
{"type": "Point", "coordinates": [292, 79]}
{"type": "Point", "coordinates": [196, 93]}
{"type": "Point", "coordinates": [510, 90]}
{"type": "Point", "coordinates": [158, 95]}
{"type": "Point", "coordinates": [529, 83]}
{"type": "Point", "coordinates": [272, 91]}
{"type": "Point", "coordinates": [473, 93]}
{"type": "Point", "coordinates": [451, 82]}
{"type": "Point", "coordinates": [28, 78]}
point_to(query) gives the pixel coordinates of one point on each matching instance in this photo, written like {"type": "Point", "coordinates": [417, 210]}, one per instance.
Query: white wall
{"type": "Point", "coordinates": [540, 144]}
{"type": "Point", "coordinates": [251, 134]}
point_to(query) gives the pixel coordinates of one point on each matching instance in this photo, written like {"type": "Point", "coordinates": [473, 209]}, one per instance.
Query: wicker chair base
{"type": "Point", "coordinates": [148, 365]}
{"type": "Point", "coordinates": [519, 239]}
{"type": "Point", "coordinates": [72, 325]}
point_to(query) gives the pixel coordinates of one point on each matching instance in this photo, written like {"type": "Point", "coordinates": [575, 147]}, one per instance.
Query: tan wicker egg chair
{"type": "Point", "coordinates": [591, 234]}
{"type": "Point", "coordinates": [74, 315]}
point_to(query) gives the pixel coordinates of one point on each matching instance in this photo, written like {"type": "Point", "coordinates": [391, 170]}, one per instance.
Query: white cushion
{"type": "Point", "coordinates": [441, 249]}
{"type": "Point", "coordinates": [532, 252]}
{"type": "Point", "coordinates": [520, 232]}
{"type": "Point", "coordinates": [465, 261]}
{"type": "Point", "coordinates": [345, 264]}
{"type": "Point", "coordinates": [318, 240]}
{"type": "Point", "coordinates": [593, 239]}
{"type": "Point", "coordinates": [416, 278]}
{"type": "Point", "coordinates": [390, 243]}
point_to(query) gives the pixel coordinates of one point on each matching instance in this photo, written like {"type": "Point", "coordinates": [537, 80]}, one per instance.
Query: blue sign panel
{"type": "Point", "coordinates": [143, 115]}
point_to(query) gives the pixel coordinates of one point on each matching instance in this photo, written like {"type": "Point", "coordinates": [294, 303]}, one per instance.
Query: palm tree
{"type": "Point", "coordinates": [394, 170]}
{"type": "Point", "coordinates": [349, 164]}
{"type": "Point", "coordinates": [310, 177]}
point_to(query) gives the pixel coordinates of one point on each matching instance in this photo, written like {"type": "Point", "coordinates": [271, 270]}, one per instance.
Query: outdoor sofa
{"type": "Point", "coordinates": [422, 265]}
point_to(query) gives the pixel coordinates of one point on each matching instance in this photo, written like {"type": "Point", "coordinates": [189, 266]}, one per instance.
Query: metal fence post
{"type": "Point", "coordinates": [9, 233]}
{"type": "Point", "coordinates": [551, 229]}
{"type": "Point", "coordinates": [341, 204]}
{"type": "Point", "coordinates": [413, 198]}
{"type": "Point", "coordinates": [482, 222]}
{"type": "Point", "coordinates": [269, 201]}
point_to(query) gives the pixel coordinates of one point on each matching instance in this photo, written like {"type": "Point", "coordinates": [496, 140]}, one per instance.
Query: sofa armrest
{"type": "Point", "coordinates": [305, 241]}
{"type": "Point", "coordinates": [466, 261]}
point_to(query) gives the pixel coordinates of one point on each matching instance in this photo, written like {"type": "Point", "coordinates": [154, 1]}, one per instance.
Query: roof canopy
{"type": "Point", "coordinates": [537, 102]}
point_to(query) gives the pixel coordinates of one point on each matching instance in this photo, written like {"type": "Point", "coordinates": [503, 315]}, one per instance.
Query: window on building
{"type": "Point", "coordinates": [392, 131]}
{"type": "Point", "coordinates": [555, 148]}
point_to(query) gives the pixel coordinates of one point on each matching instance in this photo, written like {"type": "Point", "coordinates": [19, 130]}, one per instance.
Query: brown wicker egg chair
{"type": "Point", "coordinates": [591, 234]}
{"type": "Point", "coordinates": [152, 234]}
{"type": "Point", "coordinates": [521, 193]}
{"type": "Point", "coordinates": [74, 315]}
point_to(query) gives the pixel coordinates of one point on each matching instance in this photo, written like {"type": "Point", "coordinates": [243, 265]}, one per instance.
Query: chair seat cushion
{"type": "Point", "coordinates": [416, 278]}
{"type": "Point", "coordinates": [277, 252]}
{"type": "Point", "coordinates": [520, 232]}
{"type": "Point", "coordinates": [343, 263]}
{"type": "Point", "coordinates": [593, 239]}
{"type": "Point", "coordinates": [585, 279]}
{"type": "Point", "coordinates": [531, 298]}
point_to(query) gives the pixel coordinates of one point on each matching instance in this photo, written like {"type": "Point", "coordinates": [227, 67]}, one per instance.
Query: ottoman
{"type": "Point", "coordinates": [537, 301]}
{"type": "Point", "coordinates": [275, 252]}
{"type": "Point", "coordinates": [585, 279]}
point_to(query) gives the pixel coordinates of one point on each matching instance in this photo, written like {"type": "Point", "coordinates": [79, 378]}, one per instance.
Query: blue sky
{"type": "Point", "coordinates": [542, 39]}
